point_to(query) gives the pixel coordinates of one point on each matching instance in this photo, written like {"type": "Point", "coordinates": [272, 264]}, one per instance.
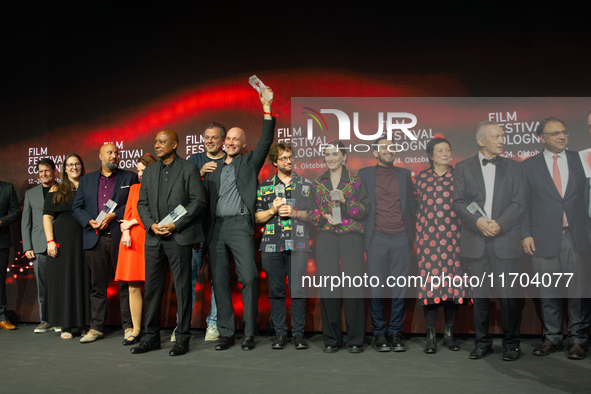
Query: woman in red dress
{"type": "Point", "coordinates": [131, 263]}
{"type": "Point", "coordinates": [438, 243]}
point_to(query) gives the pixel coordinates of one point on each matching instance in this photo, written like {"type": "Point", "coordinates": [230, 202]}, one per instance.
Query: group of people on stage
{"type": "Point", "coordinates": [482, 216]}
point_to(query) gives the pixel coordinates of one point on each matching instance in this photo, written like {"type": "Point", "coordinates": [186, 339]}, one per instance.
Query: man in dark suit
{"type": "Point", "coordinates": [232, 190]}
{"type": "Point", "coordinates": [490, 242]}
{"type": "Point", "coordinates": [554, 229]}
{"type": "Point", "coordinates": [388, 240]}
{"type": "Point", "coordinates": [166, 185]}
{"type": "Point", "coordinates": [10, 211]}
{"type": "Point", "coordinates": [101, 239]}
{"type": "Point", "coordinates": [34, 240]}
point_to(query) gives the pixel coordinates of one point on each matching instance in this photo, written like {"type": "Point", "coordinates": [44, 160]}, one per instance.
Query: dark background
{"type": "Point", "coordinates": [69, 67]}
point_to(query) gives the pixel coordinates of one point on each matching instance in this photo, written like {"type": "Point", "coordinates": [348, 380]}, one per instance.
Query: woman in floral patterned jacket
{"type": "Point", "coordinates": [340, 240]}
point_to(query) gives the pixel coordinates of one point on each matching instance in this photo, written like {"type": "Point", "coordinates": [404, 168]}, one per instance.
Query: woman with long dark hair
{"type": "Point", "coordinates": [340, 240]}
{"type": "Point", "coordinates": [68, 276]}
{"type": "Point", "coordinates": [438, 242]}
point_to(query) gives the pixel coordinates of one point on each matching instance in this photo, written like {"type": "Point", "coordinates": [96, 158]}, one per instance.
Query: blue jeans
{"type": "Point", "coordinates": [196, 261]}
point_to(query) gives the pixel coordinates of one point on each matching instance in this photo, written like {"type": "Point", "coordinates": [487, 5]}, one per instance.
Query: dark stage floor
{"type": "Point", "coordinates": [44, 363]}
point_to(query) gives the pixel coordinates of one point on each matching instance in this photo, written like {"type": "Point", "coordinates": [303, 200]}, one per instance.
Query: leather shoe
{"type": "Point", "coordinates": [397, 342]}
{"type": "Point", "coordinates": [331, 349]}
{"type": "Point", "coordinates": [547, 348]}
{"type": "Point", "coordinates": [280, 342]}
{"type": "Point", "coordinates": [576, 351]}
{"type": "Point", "coordinates": [144, 347]}
{"type": "Point", "coordinates": [7, 325]}
{"type": "Point", "coordinates": [178, 350]}
{"type": "Point", "coordinates": [300, 342]}
{"type": "Point", "coordinates": [247, 343]}
{"type": "Point", "coordinates": [511, 354]}
{"type": "Point", "coordinates": [225, 343]}
{"type": "Point", "coordinates": [480, 352]}
{"type": "Point", "coordinates": [355, 348]}
{"type": "Point", "coordinates": [381, 344]}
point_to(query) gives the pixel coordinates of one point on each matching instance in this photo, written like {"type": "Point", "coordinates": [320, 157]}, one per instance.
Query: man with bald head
{"type": "Point", "coordinates": [232, 191]}
{"type": "Point", "coordinates": [171, 182]}
{"type": "Point", "coordinates": [101, 239]}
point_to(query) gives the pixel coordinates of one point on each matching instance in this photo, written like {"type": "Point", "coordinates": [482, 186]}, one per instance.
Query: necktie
{"type": "Point", "coordinates": [558, 183]}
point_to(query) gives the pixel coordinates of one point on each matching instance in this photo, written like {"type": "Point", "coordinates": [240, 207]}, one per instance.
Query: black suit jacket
{"type": "Point", "coordinates": [508, 200]}
{"type": "Point", "coordinates": [186, 188]}
{"type": "Point", "coordinates": [85, 206]}
{"type": "Point", "coordinates": [407, 200]}
{"type": "Point", "coordinates": [10, 211]}
{"type": "Point", "coordinates": [246, 169]}
{"type": "Point", "coordinates": [542, 216]}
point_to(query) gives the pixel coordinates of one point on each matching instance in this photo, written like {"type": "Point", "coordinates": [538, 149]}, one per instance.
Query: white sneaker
{"type": "Point", "coordinates": [43, 327]}
{"type": "Point", "coordinates": [212, 333]}
{"type": "Point", "coordinates": [173, 336]}
{"type": "Point", "coordinates": [57, 329]}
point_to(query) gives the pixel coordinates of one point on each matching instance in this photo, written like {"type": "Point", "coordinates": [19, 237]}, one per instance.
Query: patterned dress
{"type": "Point", "coordinates": [438, 237]}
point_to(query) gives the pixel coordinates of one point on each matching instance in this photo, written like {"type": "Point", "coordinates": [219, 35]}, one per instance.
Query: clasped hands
{"type": "Point", "coordinates": [488, 227]}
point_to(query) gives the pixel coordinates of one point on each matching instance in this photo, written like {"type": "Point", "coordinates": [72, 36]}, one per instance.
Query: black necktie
{"type": "Point", "coordinates": [492, 161]}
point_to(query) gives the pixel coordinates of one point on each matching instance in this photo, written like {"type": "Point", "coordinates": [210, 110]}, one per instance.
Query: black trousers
{"type": "Point", "coordinates": [490, 263]}
{"type": "Point", "coordinates": [102, 261]}
{"type": "Point", "coordinates": [234, 235]}
{"type": "Point", "coordinates": [278, 266]}
{"type": "Point", "coordinates": [349, 249]}
{"type": "Point", "coordinates": [158, 257]}
{"type": "Point", "coordinates": [3, 267]}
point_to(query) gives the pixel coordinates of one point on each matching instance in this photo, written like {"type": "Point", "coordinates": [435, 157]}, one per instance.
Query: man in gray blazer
{"type": "Point", "coordinates": [490, 242]}
{"type": "Point", "coordinates": [554, 228]}
{"type": "Point", "coordinates": [171, 182]}
{"type": "Point", "coordinates": [34, 241]}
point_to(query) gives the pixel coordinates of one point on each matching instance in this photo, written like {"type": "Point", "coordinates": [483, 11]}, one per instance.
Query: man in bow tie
{"type": "Point", "coordinates": [488, 198]}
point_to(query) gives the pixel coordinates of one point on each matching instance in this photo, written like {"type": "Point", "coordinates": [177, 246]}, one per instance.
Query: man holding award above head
{"type": "Point", "coordinates": [488, 198]}
{"type": "Point", "coordinates": [99, 205]}
{"type": "Point", "coordinates": [171, 198]}
{"type": "Point", "coordinates": [232, 191]}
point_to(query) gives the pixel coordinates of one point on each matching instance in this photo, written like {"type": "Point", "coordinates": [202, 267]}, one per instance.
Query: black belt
{"type": "Point", "coordinates": [565, 230]}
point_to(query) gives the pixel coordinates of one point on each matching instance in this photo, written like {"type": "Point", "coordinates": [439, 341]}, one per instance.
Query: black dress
{"type": "Point", "coordinates": [68, 275]}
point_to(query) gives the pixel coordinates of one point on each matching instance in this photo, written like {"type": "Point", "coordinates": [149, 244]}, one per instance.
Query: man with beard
{"type": "Point", "coordinates": [388, 240]}
{"type": "Point", "coordinates": [285, 244]}
{"type": "Point", "coordinates": [34, 241]}
{"type": "Point", "coordinates": [101, 239]}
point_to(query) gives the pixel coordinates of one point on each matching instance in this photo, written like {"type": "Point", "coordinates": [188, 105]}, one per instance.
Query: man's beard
{"type": "Point", "coordinates": [110, 166]}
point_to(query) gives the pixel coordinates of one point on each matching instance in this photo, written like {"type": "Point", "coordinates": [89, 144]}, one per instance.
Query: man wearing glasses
{"type": "Point", "coordinates": [281, 208]}
{"type": "Point", "coordinates": [554, 232]}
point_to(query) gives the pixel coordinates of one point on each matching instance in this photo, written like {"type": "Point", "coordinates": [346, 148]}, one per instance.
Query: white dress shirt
{"type": "Point", "coordinates": [488, 172]}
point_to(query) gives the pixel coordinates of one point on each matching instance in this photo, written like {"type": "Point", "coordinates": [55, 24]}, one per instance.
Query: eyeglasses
{"type": "Point", "coordinates": [72, 165]}
{"type": "Point", "coordinates": [284, 159]}
{"type": "Point", "coordinates": [557, 133]}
